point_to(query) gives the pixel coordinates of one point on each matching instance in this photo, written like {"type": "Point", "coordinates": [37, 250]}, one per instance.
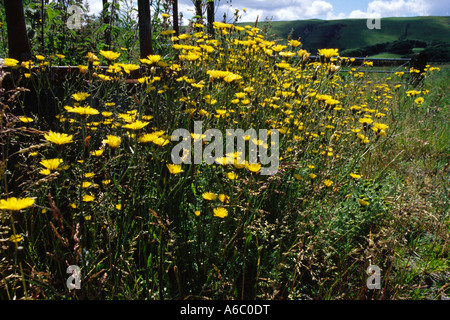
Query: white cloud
{"type": "Point", "coordinates": [281, 9]}
{"type": "Point", "coordinates": [402, 8]}
{"type": "Point", "coordinates": [358, 14]}
{"type": "Point", "coordinates": [398, 8]}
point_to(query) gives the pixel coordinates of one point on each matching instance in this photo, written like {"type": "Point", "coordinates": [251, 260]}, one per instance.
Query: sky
{"type": "Point", "coordinates": [279, 10]}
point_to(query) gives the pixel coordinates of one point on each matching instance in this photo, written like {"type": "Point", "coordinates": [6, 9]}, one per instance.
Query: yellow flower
{"type": "Point", "coordinates": [294, 43]}
{"type": "Point", "coordinates": [327, 182]}
{"type": "Point", "coordinates": [253, 167]}
{"type": "Point", "coordinates": [231, 77]}
{"type": "Point", "coordinates": [58, 138]}
{"type": "Point", "coordinates": [161, 141]}
{"type": "Point", "coordinates": [231, 175]}
{"type": "Point", "coordinates": [84, 110]}
{"type": "Point", "coordinates": [148, 137]}
{"type": "Point", "coordinates": [312, 175]}
{"type": "Point", "coordinates": [110, 55]}
{"type": "Point", "coordinates": [297, 176]}
{"type": "Point", "coordinates": [209, 196]}
{"type": "Point", "coordinates": [355, 176]}
{"type": "Point", "coordinates": [112, 141]}
{"type": "Point", "coordinates": [174, 168]}
{"type": "Point", "coordinates": [167, 32]}
{"type": "Point", "coordinates": [137, 125]}
{"type": "Point", "coordinates": [278, 48]}
{"type": "Point", "coordinates": [27, 64]}
{"type": "Point", "coordinates": [16, 204]}
{"type": "Point", "coordinates": [16, 238]}
{"type": "Point", "coordinates": [184, 36]}
{"type": "Point", "coordinates": [82, 68]}
{"type": "Point", "coordinates": [147, 117]}
{"type": "Point", "coordinates": [88, 198]}
{"type": "Point", "coordinates": [61, 56]}
{"type": "Point", "coordinates": [224, 198]}
{"type": "Point", "coordinates": [80, 96]}
{"type": "Point", "coordinates": [363, 202]}
{"type": "Point", "coordinates": [39, 57]}
{"type": "Point", "coordinates": [26, 119]}
{"type": "Point", "coordinates": [379, 128]}
{"type": "Point", "coordinates": [128, 67]}
{"type": "Point", "coordinates": [328, 53]}
{"type": "Point", "coordinates": [45, 172]}
{"type": "Point", "coordinates": [239, 164]}
{"type": "Point", "coordinates": [363, 138]}
{"type": "Point", "coordinates": [10, 62]}
{"type": "Point", "coordinates": [51, 164]}
{"type": "Point", "coordinates": [104, 77]}
{"type": "Point", "coordinates": [197, 212]}
{"type": "Point", "coordinates": [97, 153]}
{"type": "Point", "coordinates": [86, 184]}
{"type": "Point", "coordinates": [203, 112]}
{"type": "Point", "coordinates": [119, 206]}
{"type": "Point", "coordinates": [151, 59]}
{"type": "Point", "coordinates": [226, 75]}
{"type": "Point", "coordinates": [220, 212]}
{"type": "Point", "coordinates": [365, 120]}
{"type": "Point", "coordinates": [412, 93]}
{"type": "Point", "coordinates": [419, 100]}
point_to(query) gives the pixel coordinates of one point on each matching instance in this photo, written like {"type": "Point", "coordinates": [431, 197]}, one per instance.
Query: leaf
{"type": "Point", "coordinates": [52, 13]}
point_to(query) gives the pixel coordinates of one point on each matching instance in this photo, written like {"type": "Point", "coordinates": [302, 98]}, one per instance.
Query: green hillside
{"type": "Point", "coordinates": [397, 36]}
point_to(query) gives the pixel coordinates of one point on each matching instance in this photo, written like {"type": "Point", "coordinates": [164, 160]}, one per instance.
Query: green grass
{"type": "Point", "coordinates": [417, 161]}
{"type": "Point", "coordinates": [387, 55]}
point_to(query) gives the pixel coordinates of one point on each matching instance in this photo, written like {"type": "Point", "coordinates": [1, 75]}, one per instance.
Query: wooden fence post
{"type": "Point", "coordinates": [418, 62]}
{"type": "Point", "coordinates": [210, 16]}
{"type": "Point", "coordinates": [198, 12]}
{"type": "Point", "coordinates": [106, 21]}
{"type": "Point", "coordinates": [145, 28]}
{"type": "Point", "coordinates": [175, 17]}
{"type": "Point", "coordinates": [18, 43]}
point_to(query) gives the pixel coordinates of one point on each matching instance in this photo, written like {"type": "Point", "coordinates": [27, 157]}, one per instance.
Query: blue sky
{"type": "Point", "coordinates": [315, 9]}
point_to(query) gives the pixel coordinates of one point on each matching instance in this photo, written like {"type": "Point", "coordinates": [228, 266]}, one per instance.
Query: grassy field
{"type": "Point", "coordinates": [419, 160]}
{"type": "Point", "coordinates": [362, 176]}
{"type": "Point", "coordinates": [387, 55]}
{"type": "Point", "coordinates": [353, 33]}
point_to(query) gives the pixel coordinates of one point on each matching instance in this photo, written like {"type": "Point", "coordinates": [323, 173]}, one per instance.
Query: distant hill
{"type": "Point", "coordinates": [398, 37]}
